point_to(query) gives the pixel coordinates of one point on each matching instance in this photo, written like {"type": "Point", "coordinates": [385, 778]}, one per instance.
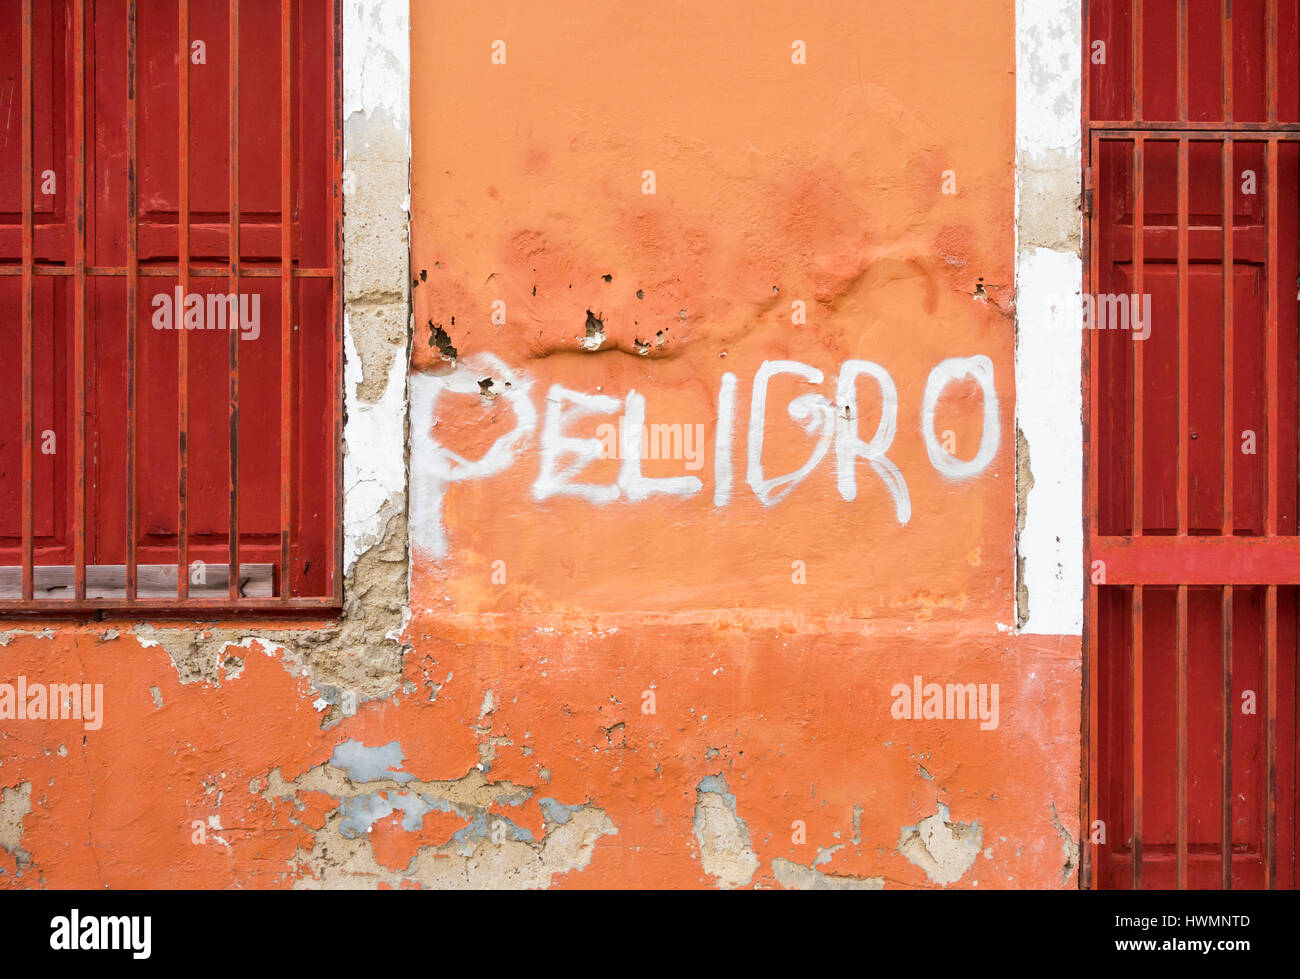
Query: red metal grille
{"type": "Point", "coordinates": [198, 477]}
{"type": "Point", "coordinates": [1192, 539]}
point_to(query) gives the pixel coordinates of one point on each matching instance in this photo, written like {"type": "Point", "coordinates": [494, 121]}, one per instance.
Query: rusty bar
{"type": "Point", "coordinates": [183, 263]}
{"type": "Point", "coordinates": [1089, 789]}
{"type": "Point", "coordinates": [1180, 720]}
{"type": "Point", "coordinates": [1229, 464]}
{"type": "Point", "coordinates": [1183, 352]}
{"type": "Point", "coordinates": [1199, 129]}
{"type": "Point", "coordinates": [171, 271]}
{"type": "Point", "coordinates": [132, 270]}
{"type": "Point", "coordinates": [1272, 384]}
{"type": "Point", "coordinates": [29, 309]}
{"type": "Point", "coordinates": [1139, 375]}
{"type": "Point", "coordinates": [1137, 59]}
{"type": "Point", "coordinates": [326, 605]}
{"type": "Point", "coordinates": [1138, 230]}
{"type": "Point", "coordinates": [1270, 738]}
{"type": "Point", "coordinates": [1225, 84]}
{"type": "Point", "coordinates": [1183, 81]}
{"type": "Point", "coordinates": [336, 559]}
{"type": "Point", "coordinates": [235, 335]}
{"type": "Point", "coordinates": [1271, 381]}
{"type": "Point", "coordinates": [286, 292]}
{"type": "Point", "coordinates": [1136, 707]}
{"type": "Point", "coordinates": [1271, 59]}
{"type": "Point", "coordinates": [1225, 746]}
{"type": "Point", "coordinates": [79, 298]}
{"type": "Point", "coordinates": [1229, 273]}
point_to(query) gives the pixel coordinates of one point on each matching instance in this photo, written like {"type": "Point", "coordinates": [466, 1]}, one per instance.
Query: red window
{"type": "Point", "coordinates": [170, 304]}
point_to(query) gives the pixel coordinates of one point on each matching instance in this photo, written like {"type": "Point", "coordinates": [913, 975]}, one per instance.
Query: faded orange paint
{"type": "Point", "coordinates": [775, 182]}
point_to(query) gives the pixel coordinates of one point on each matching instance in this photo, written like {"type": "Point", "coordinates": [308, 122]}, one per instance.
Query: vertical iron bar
{"type": "Point", "coordinates": [1139, 244]}
{"type": "Point", "coordinates": [1229, 464]}
{"type": "Point", "coordinates": [1271, 61]}
{"type": "Point", "coordinates": [1226, 83]}
{"type": "Point", "coordinates": [1183, 344]}
{"type": "Point", "coordinates": [337, 283]}
{"type": "Point", "coordinates": [183, 269]}
{"type": "Point", "coordinates": [1225, 746]}
{"type": "Point", "coordinates": [1180, 716]}
{"type": "Point", "coordinates": [1183, 81]}
{"type": "Point", "coordinates": [1139, 284]}
{"type": "Point", "coordinates": [29, 310]}
{"type": "Point", "coordinates": [1089, 789]}
{"type": "Point", "coordinates": [1180, 719]}
{"type": "Point", "coordinates": [79, 300]}
{"type": "Point", "coordinates": [1272, 385]}
{"type": "Point", "coordinates": [286, 291]}
{"type": "Point", "coordinates": [1136, 708]}
{"type": "Point", "coordinates": [1136, 17]}
{"type": "Point", "coordinates": [132, 282]}
{"type": "Point", "coordinates": [234, 243]}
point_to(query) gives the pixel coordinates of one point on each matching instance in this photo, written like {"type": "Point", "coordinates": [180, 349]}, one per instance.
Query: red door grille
{"type": "Point", "coordinates": [1191, 192]}
{"type": "Point", "coordinates": [152, 151]}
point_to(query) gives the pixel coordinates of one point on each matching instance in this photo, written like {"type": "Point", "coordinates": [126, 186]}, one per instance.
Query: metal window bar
{"type": "Point", "coordinates": [146, 586]}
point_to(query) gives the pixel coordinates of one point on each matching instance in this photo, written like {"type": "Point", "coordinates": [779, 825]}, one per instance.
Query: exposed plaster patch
{"type": "Point", "coordinates": [15, 803]}
{"type": "Point", "coordinates": [725, 850]}
{"type": "Point", "coordinates": [1024, 484]}
{"type": "Point", "coordinates": [1068, 844]}
{"type": "Point", "coordinates": [944, 850]}
{"type": "Point", "coordinates": [489, 851]}
{"type": "Point", "coordinates": [797, 877]}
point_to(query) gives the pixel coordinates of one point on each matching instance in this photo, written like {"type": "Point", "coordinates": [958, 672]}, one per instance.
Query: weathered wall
{"type": "Point", "coordinates": [685, 672]}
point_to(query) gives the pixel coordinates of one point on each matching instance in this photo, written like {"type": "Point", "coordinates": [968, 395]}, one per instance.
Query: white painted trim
{"type": "Point", "coordinates": [376, 83]}
{"type": "Point", "coordinates": [1049, 278]}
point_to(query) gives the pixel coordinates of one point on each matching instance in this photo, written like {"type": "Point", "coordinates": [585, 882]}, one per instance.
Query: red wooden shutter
{"type": "Point", "coordinates": [212, 449]}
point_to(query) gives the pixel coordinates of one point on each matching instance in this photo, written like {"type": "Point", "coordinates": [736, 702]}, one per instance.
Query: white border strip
{"type": "Point", "coordinates": [1049, 410]}
{"type": "Point", "coordinates": [376, 83]}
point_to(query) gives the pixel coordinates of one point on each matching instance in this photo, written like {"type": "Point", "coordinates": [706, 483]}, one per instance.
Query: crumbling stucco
{"type": "Point", "coordinates": [723, 837]}
{"type": "Point", "coordinates": [489, 850]}
{"type": "Point", "coordinates": [945, 850]}
{"type": "Point", "coordinates": [1069, 845]}
{"type": "Point", "coordinates": [1024, 483]}
{"type": "Point", "coordinates": [800, 878]}
{"type": "Point", "coordinates": [15, 803]}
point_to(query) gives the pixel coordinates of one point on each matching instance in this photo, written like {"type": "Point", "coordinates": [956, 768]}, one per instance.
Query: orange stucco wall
{"type": "Point", "coordinates": [702, 683]}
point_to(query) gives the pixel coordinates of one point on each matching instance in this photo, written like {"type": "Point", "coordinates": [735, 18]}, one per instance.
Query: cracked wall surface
{"type": "Point", "coordinates": [663, 689]}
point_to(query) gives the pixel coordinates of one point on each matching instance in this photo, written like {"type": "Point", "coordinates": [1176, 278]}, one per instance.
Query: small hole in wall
{"type": "Point", "coordinates": [441, 339]}
{"type": "Point", "coordinates": [607, 277]}
{"type": "Point", "coordinates": [640, 294]}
